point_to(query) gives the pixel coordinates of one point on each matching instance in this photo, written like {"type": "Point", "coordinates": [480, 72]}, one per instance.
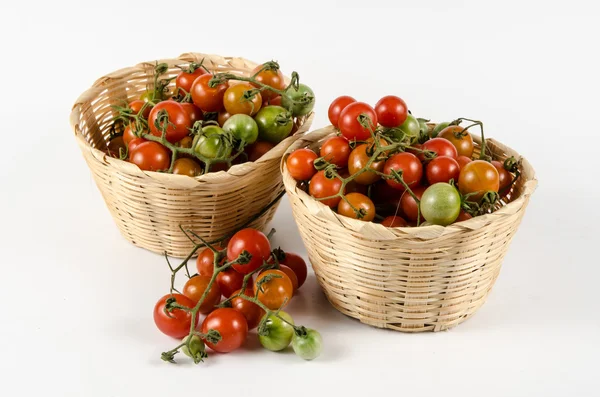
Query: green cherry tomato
{"type": "Point", "coordinates": [440, 204]}
{"type": "Point", "coordinates": [197, 350]}
{"type": "Point", "coordinates": [274, 124]}
{"type": "Point", "coordinates": [212, 143]}
{"type": "Point", "coordinates": [411, 126]}
{"type": "Point", "coordinates": [438, 128]}
{"type": "Point", "coordinates": [423, 128]}
{"type": "Point", "coordinates": [304, 97]}
{"type": "Point", "coordinates": [307, 343]}
{"type": "Point", "coordinates": [276, 334]}
{"type": "Point", "coordinates": [242, 127]}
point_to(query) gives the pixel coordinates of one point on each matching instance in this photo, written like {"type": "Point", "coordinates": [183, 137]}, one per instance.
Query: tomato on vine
{"type": "Point", "coordinates": [175, 323]}
{"type": "Point", "coordinates": [321, 186]}
{"type": "Point", "coordinates": [391, 111]}
{"type": "Point", "coordinates": [440, 204]}
{"type": "Point", "coordinates": [357, 202]}
{"type": "Point", "coordinates": [358, 159]}
{"type": "Point", "coordinates": [137, 105]}
{"type": "Point", "coordinates": [410, 208]}
{"type": "Point", "coordinates": [462, 161]}
{"type": "Point", "coordinates": [411, 126]}
{"type": "Point", "coordinates": [461, 139]}
{"type": "Point", "coordinates": [205, 260]}
{"type": "Point", "coordinates": [209, 99]}
{"type": "Point", "coordinates": [477, 178]}
{"type": "Point", "coordinates": [186, 78]}
{"type": "Point", "coordinates": [336, 150]}
{"type": "Point", "coordinates": [300, 164]}
{"type": "Point", "coordinates": [177, 124]}
{"type": "Point", "coordinates": [253, 242]}
{"type": "Point", "coordinates": [274, 124]}
{"type": "Point", "coordinates": [442, 169]}
{"type": "Point", "coordinates": [292, 276]}
{"type": "Point", "coordinates": [231, 325]}
{"type": "Point", "coordinates": [300, 100]}
{"type": "Point", "coordinates": [504, 177]}
{"type": "Point", "coordinates": [186, 166]}
{"type": "Point", "coordinates": [151, 156]}
{"type": "Point", "coordinates": [242, 127]}
{"type": "Point", "coordinates": [441, 147]}
{"type": "Point", "coordinates": [407, 165]}
{"type": "Point", "coordinates": [242, 98]}
{"type": "Point", "coordinates": [213, 143]}
{"type": "Point", "coordinates": [297, 264]}
{"type": "Point", "coordinates": [336, 107]}
{"type": "Point", "coordinates": [275, 289]}
{"type": "Point", "coordinates": [350, 119]}
{"type": "Point", "coordinates": [193, 111]}
{"type": "Point", "coordinates": [250, 310]}
{"type": "Point", "coordinates": [277, 333]}
{"type": "Point", "coordinates": [270, 76]}
{"type": "Point", "coordinates": [195, 287]}
{"type": "Point", "coordinates": [229, 281]}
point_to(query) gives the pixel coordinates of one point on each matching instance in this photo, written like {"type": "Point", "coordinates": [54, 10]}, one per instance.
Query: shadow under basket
{"type": "Point", "coordinates": [149, 207]}
{"type": "Point", "coordinates": [409, 279]}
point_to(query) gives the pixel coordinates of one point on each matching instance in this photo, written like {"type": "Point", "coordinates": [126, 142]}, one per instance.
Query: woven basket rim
{"type": "Point", "coordinates": [427, 232]}
{"type": "Point", "coordinates": [180, 180]}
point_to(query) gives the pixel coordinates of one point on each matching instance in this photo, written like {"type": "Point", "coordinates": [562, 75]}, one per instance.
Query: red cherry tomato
{"type": "Point", "coordinates": [231, 324]}
{"type": "Point", "coordinates": [442, 169]}
{"type": "Point", "coordinates": [252, 241]}
{"type": "Point", "coordinates": [394, 221]}
{"type": "Point", "coordinates": [410, 208]}
{"type": "Point", "coordinates": [504, 177]}
{"type": "Point", "coordinates": [462, 161]}
{"type": "Point", "coordinates": [336, 108]}
{"type": "Point", "coordinates": [179, 120]}
{"type": "Point", "coordinates": [205, 261]}
{"type": "Point", "coordinates": [349, 123]}
{"type": "Point", "coordinates": [177, 322]}
{"type": "Point", "coordinates": [297, 264]}
{"type": "Point", "coordinates": [250, 310]}
{"type": "Point", "coordinates": [134, 143]}
{"type": "Point", "coordinates": [300, 164]}
{"type": "Point", "coordinates": [320, 186]}
{"type": "Point", "coordinates": [194, 289]}
{"type": "Point", "coordinates": [209, 99]}
{"type": "Point", "coordinates": [229, 281]}
{"type": "Point", "coordinates": [391, 111]}
{"type": "Point", "coordinates": [193, 111]}
{"type": "Point", "coordinates": [336, 150]}
{"type": "Point", "coordinates": [441, 147]}
{"type": "Point", "coordinates": [151, 156]}
{"type": "Point", "coordinates": [185, 80]}
{"type": "Point", "coordinates": [408, 165]}
{"type": "Point", "coordinates": [128, 135]}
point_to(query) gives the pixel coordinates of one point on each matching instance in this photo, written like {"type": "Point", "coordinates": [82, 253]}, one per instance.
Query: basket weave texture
{"type": "Point", "coordinates": [427, 278]}
{"type": "Point", "coordinates": [149, 207]}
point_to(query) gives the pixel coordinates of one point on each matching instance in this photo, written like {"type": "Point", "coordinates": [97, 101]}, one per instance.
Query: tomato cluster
{"type": "Point", "coordinates": [256, 282]}
{"type": "Point", "coordinates": [209, 121]}
{"type": "Point", "coordinates": [386, 165]}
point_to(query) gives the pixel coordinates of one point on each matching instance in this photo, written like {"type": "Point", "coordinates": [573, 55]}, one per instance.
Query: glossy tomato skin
{"type": "Point", "coordinates": [410, 208]}
{"type": "Point", "coordinates": [275, 293]}
{"type": "Point", "coordinates": [235, 103]}
{"type": "Point", "coordinates": [151, 156]}
{"type": "Point", "coordinates": [360, 202]}
{"type": "Point", "coordinates": [128, 135]}
{"type": "Point", "coordinates": [297, 264]}
{"type": "Point", "coordinates": [185, 80]}
{"type": "Point", "coordinates": [320, 186]}
{"type": "Point", "coordinates": [274, 124]}
{"type": "Point", "coordinates": [205, 261]}
{"type": "Point", "coordinates": [292, 276]}
{"type": "Point", "coordinates": [300, 164]}
{"type": "Point", "coordinates": [186, 166]}
{"type": "Point", "coordinates": [394, 221]}
{"type": "Point", "coordinates": [336, 107]}
{"type": "Point", "coordinates": [278, 333]}
{"type": "Point", "coordinates": [301, 93]}
{"type": "Point", "coordinates": [195, 287]}
{"type": "Point", "coordinates": [250, 310]}
{"type": "Point", "coordinates": [442, 169]}
{"type": "Point", "coordinates": [258, 149]}
{"type": "Point", "coordinates": [211, 143]}
{"type": "Point", "coordinates": [440, 204]}
{"type": "Point", "coordinates": [231, 324]}
{"type": "Point", "coordinates": [411, 126]}
{"type": "Point", "coordinates": [462, 141]}
{"type": "Point", "coordinates": [270, 77]}
{"type": "Point", "coordinates": [242, 127]}
{"type": "Point", "coordinates": [441, 147]}
{"type": "Point", "coordinates": [176, 323]}
{"type": "Point", "coordinates": [229, 281]}
{"type": "Point", "coordinates": [358, 159]}
{"type": "Point", "coordinates": [504, 177]}
{"type": "Point", "coordinates": [193, 111]}
{"type": "Point", "coordinates": [462, 161]}
{"type": "Point", "coordinates": [255, 243]}
{"type": "Point", "coordinates": [391, 111]}
{"type": "Point", "coordinates": [349, 125]}
{"type": "Point", "coordinates": [206, 98]}
{"type": "Point", "coordinates": [179, 120]}
{"type": "Point", "coordinates": [336, 150]}
{"type": "Point", "coordinates": [137, 105]}
{"type": "Point", "coordinates": [408, 165]}
{"type": "Point", "coordinates": [478, 177]}
{"type": "Point", "coordinates": [134, 143]}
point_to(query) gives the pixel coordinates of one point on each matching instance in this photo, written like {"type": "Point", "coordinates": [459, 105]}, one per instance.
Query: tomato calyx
{"type": "Point", "coordinates": [486, 204]}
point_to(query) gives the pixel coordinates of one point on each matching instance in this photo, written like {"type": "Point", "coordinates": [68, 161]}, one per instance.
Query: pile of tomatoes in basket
{"type": "Point", "coordinates": [273, 276]}
{"type": "Point", "coordinates": [211, 123]}
{"type": "Point", "coordinates": [386, 165]}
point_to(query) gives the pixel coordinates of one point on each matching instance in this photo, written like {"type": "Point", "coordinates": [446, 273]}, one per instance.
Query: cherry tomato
{"type": "Point", "coordinates": [463, 216]}
{"type": "Point", "coordinates": [137, 105]}
{"type": "Point", "coordinates": [440, 204]}
{"type": "Point", "coordinates": [359, 202]}
{"type": "Point", "coordinates": [232, 326]}
{"type": "Point", "coordinates": [206, 98]}
{"type": "Point", "coordinates": [478, 177]}
{"type": "Point", "coordinates": [391, 111]}
{"type": "Point", "coordinates": [250, 310]}
{"type": "Point", "coordinates": [297, 264]}
{"type": "Point", "coordinates": [410, 208]}
{"type": "Point", "coordinates": [194, 289]}
{"type": "Point", "coordinates": [300, 164]}
{"type": "Point", "coordinates": [151, 156]}
{"type": "Point", "coordinates": [222, 117]}
{"type": "Point", "coordinates": [242, 127]}
{"type": "Point", "coordinates": [504, 177]}
{"type": "Point", "coordinates": [229, 281]}
{"type": "Point", "coordinates": [406, 164]}
{"type": "Point", "coordinates": [462, 140]}
{"type": "Point", "coordinates": [235, 103]}
{"type": "Point", "coordinates": [349, 124]}
{"type": "Point", "coordinates": [274, 124]}
{"type": "Point", "coordinates": [134, 143]}
{"type": "Point", "coordinates": [304, 98]}
{"type": "Point", "coordinates": [193, 111]}
{"type": "Point", "coordinates": [411, 126]}
{"type": "Point", "coordinates": [179, 120]}
{"type": "Point", "coordinates": [320, 186]}
{"type": "Point", "coordinates": [185, 166]}
{"type": "Point", "coordinates": [441, 147]}
{"type": "Point", "coordinates": [184, 80]}
{"type": "Point", "coordinates": [271, 77]}
{"type": "Point", "coordinates": [462, 161]}
{"type": "Point", "coordinates": [290, 273]}
{"type": "Point", "coordinates": [253, 242]}
{"type": "Point", "coordinates": [394, 221]}
{"type": "Point", "coordinates": [205, 261]}
{"type": "Point", "coordinates": [336, 108]}
{"type": "Point", "coordinates": [308, 344]}
{"type": "Point", "coordinates": [258, 149]}
{"type": "Point", "coordinates": [336, 150]}
{"type": "Point", "coordinates": [128, 135]}
{"type": "Point", "coordinates": [442, 169]}
{"type": "Point", "coordinates": [276, 292]}
{"type": "Point", "coordinates": [177, 322]}
{"type": "Point", "coordinates": [358, 159]}
{"type": "Point", "coordinates": [212, 143]}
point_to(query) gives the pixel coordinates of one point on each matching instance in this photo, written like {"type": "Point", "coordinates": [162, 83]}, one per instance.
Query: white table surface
{"type": "Point", "coordinates": [77, 298]}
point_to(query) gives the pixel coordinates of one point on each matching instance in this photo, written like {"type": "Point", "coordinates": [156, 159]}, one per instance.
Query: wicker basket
{"type": "Point", "coordinates": [427, 278]}
{"type": "Point", "coordinates": [148, 207]}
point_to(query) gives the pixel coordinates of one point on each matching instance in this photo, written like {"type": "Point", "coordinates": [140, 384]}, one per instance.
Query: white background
{"type": "Point", "coordinates": [76, 298]}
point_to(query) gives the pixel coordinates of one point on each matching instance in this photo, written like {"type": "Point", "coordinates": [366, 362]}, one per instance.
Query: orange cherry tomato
{"type": "Point", "coordinates": [300, 164]}
{"type": "Point", "coordinates": [276, 292]}
{"type": "Point", "coordinates": [235, 103]}
{"type": "Point", "coordinates": [185, 166]}
{"type": "Point", "coordinates": [272, 78]}
{"type": "Point", "coordinates": [359, 202]}
{"type": "Point", "coordinates": [194, 289]}
{"type": "Point", "coordinates": [478, 177]}
{"type": "Point", "coordinates": [290, 273]}
{"type": "Point", "coordinates": [358, 159]}
{"type": "Point", "coordinates": [462, 140]}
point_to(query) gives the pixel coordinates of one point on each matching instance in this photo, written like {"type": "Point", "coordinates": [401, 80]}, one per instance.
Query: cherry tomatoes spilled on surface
{"type": "Point", "coordinates": [349, 123]}
{"type": "Point", "coordinates": [462, 140]}
{"type": "Point", "coordinates": [178, 124]}
{"type": "Point", "coordinates": [462, 161]}
{"type": "Point", "coordinates": [360, 202]}
{"type": "Point", "coordinates": [406, 164]}
{"type": "Point", "coordinates": [410, 208]}
{"type": "Point", "coordinates": [290, 273]}
{"type": "Point", "coordinates": [336, 108]}
{"type": "Point", "coordinates": [229, 281]}
{"type": "Point", "coordinates": [504, 177]}
{"type": "Point", "coordinates": [358, 159]}
{"type": "Point", "coordinates": [297, 264]}
{"type": "Point", "coordinates": [336, 150]}
{"type": "Point", "coordinates": [300, 164]}
{"type": "Point", "coordinates": [394, 221]}
{"type": "Point", "coordinates": [441, 147]}
{"type": "Point", "coordinates": [391, 111]}
{"type": "Point", "coordinates": [320, 186]}
{"type": "Point", "coordinates": [184, 80]}
{"type": "Point", "coordinates": [276, 292]}
{"type": "Point", "coordinates": [194, 289]}
{"type": "Point", "coordinates": [209, 99]}
{"type": "Point", "coordinates": [151, 156]}
{"type": "Point", "coordinates": [250, 310]}
{"type": "Point", "coordinates": [177, 322]}
{"type": "Point", "coordinates": [185, 166]}
{"type": "Point", "coordinates": [253, 242]}
{"type": "Point", "coordinates": [477, 178]}
{"type": "Point", "coordinates": [258, 149]}
{"type": "Point", "coordinates": [271, 77]}
{"type": "Point", "coordinates": [442, 169]}
{"type": "Point", "coordinates": [235, 102]}
{"type": "Point", "coordinates": [232, 326]}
